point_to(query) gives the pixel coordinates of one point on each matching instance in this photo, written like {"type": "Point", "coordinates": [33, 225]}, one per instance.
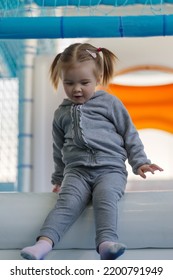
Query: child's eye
{"type": "Point", "coordinates": [85, 83]}
{"type": "Point", "coordinates": [68, 83]}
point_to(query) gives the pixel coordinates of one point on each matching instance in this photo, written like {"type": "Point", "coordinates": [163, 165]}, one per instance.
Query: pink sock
{"type": "Point", "coordinates": [37, 251]}
{"type": "Point", "coordinates": [110, 250]}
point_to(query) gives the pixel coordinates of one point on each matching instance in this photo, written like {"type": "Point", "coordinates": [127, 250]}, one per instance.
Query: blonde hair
{"type": "Point", "coordinates": [105, 64]}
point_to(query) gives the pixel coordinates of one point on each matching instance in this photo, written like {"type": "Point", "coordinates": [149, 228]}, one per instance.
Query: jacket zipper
{"type": "Point", "coordinates": [78, 137]}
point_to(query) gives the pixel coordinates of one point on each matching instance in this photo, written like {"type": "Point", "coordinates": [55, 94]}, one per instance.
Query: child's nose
{"type": "Point", "coordinates": [77, 88]}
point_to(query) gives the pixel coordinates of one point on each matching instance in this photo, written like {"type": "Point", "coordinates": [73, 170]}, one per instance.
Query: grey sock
{"type": "Point", "coordinates": [110, 250]}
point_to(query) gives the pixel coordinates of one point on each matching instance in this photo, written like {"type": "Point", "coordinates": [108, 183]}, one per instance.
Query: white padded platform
{"type": "Point", "coordinates": [79, 254]}
{"type": "Point", "coordinates": [145, 221]}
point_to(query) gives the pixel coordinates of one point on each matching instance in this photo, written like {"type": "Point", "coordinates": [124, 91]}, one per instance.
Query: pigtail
{"type": "Point", "coordinates": [55, 71]}
{"type": "Point", "coordinates": [109, 62]}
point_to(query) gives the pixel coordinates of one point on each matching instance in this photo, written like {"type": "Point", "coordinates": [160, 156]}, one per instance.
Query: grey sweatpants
{"type": "Point", "coordinates": [104, 186]}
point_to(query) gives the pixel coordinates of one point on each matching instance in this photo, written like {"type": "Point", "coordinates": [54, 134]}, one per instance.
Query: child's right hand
{"type": "Point", "coordinates": [56, 188]}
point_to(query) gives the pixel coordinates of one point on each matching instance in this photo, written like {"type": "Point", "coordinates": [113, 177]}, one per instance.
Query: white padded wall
{"type": "Point", "coordinates": [46, 100]}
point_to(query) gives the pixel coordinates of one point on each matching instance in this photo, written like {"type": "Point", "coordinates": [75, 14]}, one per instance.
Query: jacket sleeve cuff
{"type": "Point", "coordinates": [57, 181]}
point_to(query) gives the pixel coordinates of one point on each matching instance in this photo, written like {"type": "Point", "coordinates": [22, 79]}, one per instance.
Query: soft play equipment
{"type": "Point", "coordinates": [145, 226]}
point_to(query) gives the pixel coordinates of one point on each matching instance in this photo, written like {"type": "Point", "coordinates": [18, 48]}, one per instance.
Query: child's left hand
{"type": "Point", "coordinates": [148, 168]}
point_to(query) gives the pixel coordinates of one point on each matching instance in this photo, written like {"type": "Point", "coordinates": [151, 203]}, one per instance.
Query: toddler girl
{"type": "Point", "coordinates": [93, 135]}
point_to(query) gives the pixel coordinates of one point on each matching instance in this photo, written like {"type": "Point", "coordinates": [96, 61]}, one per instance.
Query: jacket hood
{"type": "Point", "coordinates": [68, 102]}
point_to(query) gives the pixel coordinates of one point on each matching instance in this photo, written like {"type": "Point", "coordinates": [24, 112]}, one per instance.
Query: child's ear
{"type": "Point", "coordinates": [99, 80]}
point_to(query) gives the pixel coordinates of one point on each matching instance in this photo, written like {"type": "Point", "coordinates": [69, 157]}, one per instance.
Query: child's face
{"type": "Point", "coordinates": [79, 81]}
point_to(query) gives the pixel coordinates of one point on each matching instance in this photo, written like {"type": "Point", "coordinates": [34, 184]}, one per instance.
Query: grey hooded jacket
{"type": "Point", "coordinates": [99, 132]}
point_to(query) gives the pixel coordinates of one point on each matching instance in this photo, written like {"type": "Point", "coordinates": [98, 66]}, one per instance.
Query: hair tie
{"type": "Point", "coordinates": [99, 49]}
